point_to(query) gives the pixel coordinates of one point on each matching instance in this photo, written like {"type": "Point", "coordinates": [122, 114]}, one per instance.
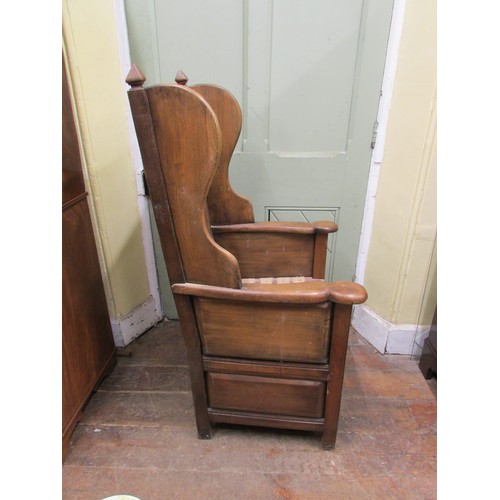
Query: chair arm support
{"type": "Point", "coordinates": [308, 292]}
{"type": "Point", "coordinates": [279, 227]}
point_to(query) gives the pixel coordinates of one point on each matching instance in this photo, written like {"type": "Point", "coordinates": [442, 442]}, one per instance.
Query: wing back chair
{"type": "Point", "coordinates": [266, 351]}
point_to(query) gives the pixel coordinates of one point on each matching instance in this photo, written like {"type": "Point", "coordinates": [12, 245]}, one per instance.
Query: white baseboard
{"type": "Point", "coordinates": [387, 337]}
{"type": "Point", "coordinates": [132, 325]}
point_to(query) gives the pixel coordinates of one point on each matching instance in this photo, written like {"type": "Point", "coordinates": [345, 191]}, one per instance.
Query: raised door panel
{"type": "Point", "coordinates": [312, 66]}
{"type": "Point", "coordinates": [214, 55]}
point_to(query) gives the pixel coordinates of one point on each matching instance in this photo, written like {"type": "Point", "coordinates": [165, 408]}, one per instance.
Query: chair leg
{"type": "Point", "coordinates": [195, 363]}
{"type": "Point", "coordinates": [341, 326]}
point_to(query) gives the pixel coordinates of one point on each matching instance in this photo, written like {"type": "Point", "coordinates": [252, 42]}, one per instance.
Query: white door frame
{"type": "Point", "coordinates": [391, 61]}
{"type": "Point", "coordinates": [147, 236]}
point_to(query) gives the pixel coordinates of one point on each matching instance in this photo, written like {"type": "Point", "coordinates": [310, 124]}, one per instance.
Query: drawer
{"type": "Point", "coordinates": [300, 398]}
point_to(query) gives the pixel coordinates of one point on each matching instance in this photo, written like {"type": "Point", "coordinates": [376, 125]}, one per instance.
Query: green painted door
{"type": "Point", "coordinates": [307, 74]}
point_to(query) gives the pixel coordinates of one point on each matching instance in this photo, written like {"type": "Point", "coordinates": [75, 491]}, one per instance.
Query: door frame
{"type": "Point", "coordinates": [144, 215]}
{"type": "Point", "coordinates": [391, 60]}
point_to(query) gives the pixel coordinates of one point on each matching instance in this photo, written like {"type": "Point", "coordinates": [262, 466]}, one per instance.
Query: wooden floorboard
{"type": "Point", "coordinates": [137, 436]}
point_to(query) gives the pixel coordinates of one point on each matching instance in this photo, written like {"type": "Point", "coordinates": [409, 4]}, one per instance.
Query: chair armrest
{"type": "Point", "coordinates": [278, 227]}
{"type": "Point", "coordinates": [308, 292]}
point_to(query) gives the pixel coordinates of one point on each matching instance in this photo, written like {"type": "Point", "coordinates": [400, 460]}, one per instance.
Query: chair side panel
{"type": "Point", "coordinates": [270, 255]}
{"type": "Point", "coordinates": [275, 332]}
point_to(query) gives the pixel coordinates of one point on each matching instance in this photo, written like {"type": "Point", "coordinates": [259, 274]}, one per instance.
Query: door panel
{"type": "Point", "coordinates": [307, 76]}
{"type": "Point", "coordinates": [205, 39]}
{"type": "Point", "coordinates": [312, 71]}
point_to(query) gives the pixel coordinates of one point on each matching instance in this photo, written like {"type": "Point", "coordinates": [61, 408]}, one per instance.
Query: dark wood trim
{"type": "Point", "coordinates": [153, 174]}
{"type": "Point", "coordinates": [71, 424]}
{"type": "Point", "coordinates": [307, 292]}
{"type": "Point", "coordinates": [340, 327]}
{"type": "Point", "coordinates": [319, 259]}
{"type": "Point", "coordinates": [191, 336]}
{"type": "Point", "coordinates": [263, 368]}
{"type": "Point", "coordinates": [265, 420]}
{"type": "Point", "coordinates": [75, 200]}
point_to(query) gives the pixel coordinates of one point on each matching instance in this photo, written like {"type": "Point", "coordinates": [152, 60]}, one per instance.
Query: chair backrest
{"type": "Point", "coordinates": [224, 204]}
{"type": "Point", "coordinates": [180, 141]}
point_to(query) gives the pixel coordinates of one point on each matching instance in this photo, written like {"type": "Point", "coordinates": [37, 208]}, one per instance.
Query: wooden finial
{"type": "Point", "coordinates": [181, 78]}
{"type": "Point", "coordinates": [135, 78]}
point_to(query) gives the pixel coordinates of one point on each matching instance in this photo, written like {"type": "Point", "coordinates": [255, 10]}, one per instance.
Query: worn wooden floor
{"type": "Point", "coordinates": [137, 436]}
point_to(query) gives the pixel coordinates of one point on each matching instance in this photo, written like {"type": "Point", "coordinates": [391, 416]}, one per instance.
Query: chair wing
{"type": "Point", "coordinates": [224, 204]}
{"type": "Point", "coordinates": [302, 244]}
{"type": "Point", "coordinates": [268, 352]}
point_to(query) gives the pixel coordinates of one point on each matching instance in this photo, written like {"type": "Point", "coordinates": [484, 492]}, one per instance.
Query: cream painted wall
{"type": "Point", "coordinates": [91, 47]}
{"type": "Point", "coordinates": [400, 271]}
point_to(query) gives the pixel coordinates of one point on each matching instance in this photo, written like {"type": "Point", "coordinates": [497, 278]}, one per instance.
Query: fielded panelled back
{"type": "Point", "coordinates": [266, 341]}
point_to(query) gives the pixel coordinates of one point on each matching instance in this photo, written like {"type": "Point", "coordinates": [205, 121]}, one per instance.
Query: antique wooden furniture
{"type": "Point", "coordinates": [88, 350]}
{"type": "Point", "coordinates": [261, 351]}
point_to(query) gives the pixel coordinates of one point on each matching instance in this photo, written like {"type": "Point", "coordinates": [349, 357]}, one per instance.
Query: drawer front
{"type": "Point", "coordinates": [278, 396]}
{"type": "Point", "coordinates": [276, 332]}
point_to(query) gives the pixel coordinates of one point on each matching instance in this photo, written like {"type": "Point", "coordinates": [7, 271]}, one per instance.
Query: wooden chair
{"type": "Point", "coordinates": [266, 352]}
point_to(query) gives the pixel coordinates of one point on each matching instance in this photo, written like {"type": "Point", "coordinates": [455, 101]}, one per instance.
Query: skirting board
{"type": "Point", "coordinates": [386, 337]}
{"type": "Point", "coordinates": [132, 325]}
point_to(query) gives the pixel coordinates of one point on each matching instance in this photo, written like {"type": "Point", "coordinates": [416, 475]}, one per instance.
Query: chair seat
{"type": "Point", "coordinates": [286, 280]}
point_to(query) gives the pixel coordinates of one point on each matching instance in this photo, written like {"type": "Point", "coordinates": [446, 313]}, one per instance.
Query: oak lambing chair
{"type": "Point", "coordinates": [266, 352]}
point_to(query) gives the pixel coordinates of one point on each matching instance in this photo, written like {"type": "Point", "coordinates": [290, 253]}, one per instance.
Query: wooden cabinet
{"type": "Point", "coordinates": [88, 350]}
